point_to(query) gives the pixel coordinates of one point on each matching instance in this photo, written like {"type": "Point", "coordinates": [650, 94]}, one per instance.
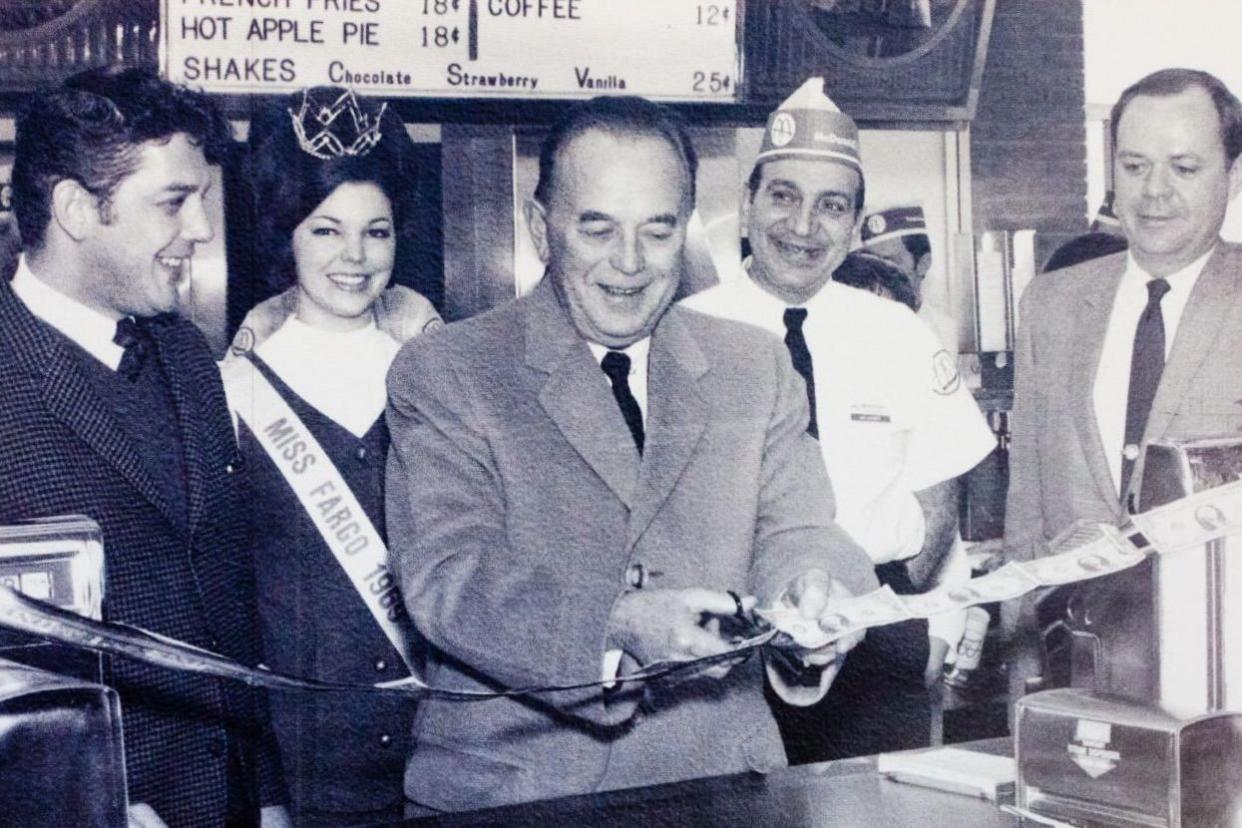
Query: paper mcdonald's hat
{"type": "Point", "coordinates": [892, 223]}
{"type": "Point", "coordinates": [809, 125]}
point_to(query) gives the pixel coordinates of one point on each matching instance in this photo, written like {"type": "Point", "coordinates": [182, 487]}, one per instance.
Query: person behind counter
{"type": "Point", "coordinates": [113, 408]}
{"type": "Point", "coordinates": [577, 479]}
{"type": "Point", "coordinates": [331, 177]}
{"type": "Point", "coordinates": [899, 235]}
{"type": "Point", "coordinates": [895, 424]}
{"type": "Point", "coordinates": [1105, 237]}
{"type": "Point", "coordinates": [875, 275]}
{"type": "Point", "coordinates": [893, 262]}
{"type": "Point", "coordinates": [1133, 347]}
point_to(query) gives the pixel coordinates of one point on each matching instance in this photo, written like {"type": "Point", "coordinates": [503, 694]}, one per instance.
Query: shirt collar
{"type": "Point", "coordinates": [85, 326]}
{"type": "Point", "coordinates": [1183, 279]}
{"type": "Point", "coordinates": [637, 352]}
{"type": "Point", "coordinates": [822, 299]}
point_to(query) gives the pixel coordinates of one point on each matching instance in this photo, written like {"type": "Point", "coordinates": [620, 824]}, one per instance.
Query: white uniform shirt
{"type": "Point", "coordinates": [942, 324]}
{"type": "Point", "coordinates": [893, 416]}
{"type": "Point", "coordinates": [1112, 377]}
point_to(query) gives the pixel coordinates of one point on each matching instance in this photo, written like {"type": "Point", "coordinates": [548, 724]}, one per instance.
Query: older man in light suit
{"type": "Point", "coordinates": [578, 479]}
{"type": "Point", "coordinates": [1120, 351]}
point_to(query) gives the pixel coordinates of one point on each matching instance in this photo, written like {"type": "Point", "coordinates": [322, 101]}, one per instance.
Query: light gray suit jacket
{"type": "Point", "coordinates": [1058, 469]}
{"type": "Point", "coordinates": [516, 500]}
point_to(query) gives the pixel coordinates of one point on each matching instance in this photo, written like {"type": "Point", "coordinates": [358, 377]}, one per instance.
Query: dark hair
{"type": "Point", "coordinates": [91, 129]}
{"type": "Point", "coordinates": [619, 115]}
{"type": "Point", "coordinates": [860, 195]}
{"type": "Point", "coordinates": [918, 245]}
{"type": "Point", "coordinates": [288, 183]}
{"type": "Point", "coordinates": [871, 273]}
{"type": "Point", "coordinates": [1174, 81]}
{"type": "Point", "coordinates": [1083, 248]}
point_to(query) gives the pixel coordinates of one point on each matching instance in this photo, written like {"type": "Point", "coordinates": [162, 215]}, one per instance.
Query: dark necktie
{"type": "Point", "coordinates": [801, 354]}
{"type": "Point", "coordinates": [1146, 366]}
{"type": "Point", "coordinates": [617, 366]}
{"type": "Point", "coordinates": [133, 336]}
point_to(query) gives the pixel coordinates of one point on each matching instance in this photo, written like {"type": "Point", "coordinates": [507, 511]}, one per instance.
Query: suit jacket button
{"type": "Point", "coordinates": [380, 665]}
{"type": "Point", "coordinates": [385, 740]}
{"type": "Point", "coordinates": [635, 575]}
{"type": "Point", "coordinates": [230, 468]}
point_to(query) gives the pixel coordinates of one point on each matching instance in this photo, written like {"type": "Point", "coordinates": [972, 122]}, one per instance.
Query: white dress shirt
{"type": "Point", "coordinates": [88, 328]}
{"type": "Point", "coordinates": [1112, 377]}
{"type": "Point", "coordinates": [637, 352]}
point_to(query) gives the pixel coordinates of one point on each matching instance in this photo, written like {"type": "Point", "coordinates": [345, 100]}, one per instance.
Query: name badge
{"type": "Point", "coordinates": [869, 413]}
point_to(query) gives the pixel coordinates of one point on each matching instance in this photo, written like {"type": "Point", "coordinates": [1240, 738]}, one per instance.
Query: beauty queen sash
{"type": "Point", "coordinates": [328, 501]}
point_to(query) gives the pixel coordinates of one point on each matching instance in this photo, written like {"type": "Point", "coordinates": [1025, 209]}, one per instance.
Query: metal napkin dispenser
{"type": "Point", "coordinates": [59, 560]}
{"type": "Point", "coordinates": [1106, 761]}
{"type": "Point", "coordinates": [61, 755]}
{"type": "Point", "coordinates": [1161, 631]}
{"type": "Point", "coordinates": [1176, 468]}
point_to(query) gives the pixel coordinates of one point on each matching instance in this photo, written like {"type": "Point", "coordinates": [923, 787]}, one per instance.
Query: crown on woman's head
{"type": "Point", "coordinates": [323, 133]}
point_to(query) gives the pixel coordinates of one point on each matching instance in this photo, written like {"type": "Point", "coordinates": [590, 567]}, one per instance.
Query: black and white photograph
{"type": "Point", "coordinates": [747, 413]}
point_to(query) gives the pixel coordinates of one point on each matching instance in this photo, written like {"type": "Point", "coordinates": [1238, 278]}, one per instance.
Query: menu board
{"type": "Point", "coordinates": [672, 50]}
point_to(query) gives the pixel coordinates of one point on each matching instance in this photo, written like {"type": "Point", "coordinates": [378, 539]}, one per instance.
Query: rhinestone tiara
{"type": "Point", "coordinates": [325, 132]}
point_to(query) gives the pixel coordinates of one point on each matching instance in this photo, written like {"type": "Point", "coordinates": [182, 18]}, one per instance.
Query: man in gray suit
{"type": "Point", "coordinates": [580, 477]}
{"type": "Point", "coordinates": [1134, 347]}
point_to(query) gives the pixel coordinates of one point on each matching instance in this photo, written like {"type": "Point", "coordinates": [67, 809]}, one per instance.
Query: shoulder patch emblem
{"type": "Point", "coordinates": [243, 342]}
{"type": "Point", "coordinates": [945, 378]}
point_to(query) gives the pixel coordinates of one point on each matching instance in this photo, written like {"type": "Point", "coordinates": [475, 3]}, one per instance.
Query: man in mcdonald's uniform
{"type": "Point", "coordinates": [894, 422]}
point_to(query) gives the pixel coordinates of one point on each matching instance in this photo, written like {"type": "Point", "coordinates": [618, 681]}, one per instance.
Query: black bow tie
{"type": "Point", "coordinates": [133, 336]}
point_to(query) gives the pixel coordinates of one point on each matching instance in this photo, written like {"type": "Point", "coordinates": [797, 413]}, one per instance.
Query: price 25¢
{"type": "Point", "coordinates": [712, 83]}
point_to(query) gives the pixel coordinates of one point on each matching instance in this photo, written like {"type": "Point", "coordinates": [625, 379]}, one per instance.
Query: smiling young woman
{"type": "Point", "coordinates": [331, 176]}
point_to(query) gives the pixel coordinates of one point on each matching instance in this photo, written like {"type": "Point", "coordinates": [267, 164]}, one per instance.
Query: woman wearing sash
{"type": "Point", "coordinates": [332, 176]}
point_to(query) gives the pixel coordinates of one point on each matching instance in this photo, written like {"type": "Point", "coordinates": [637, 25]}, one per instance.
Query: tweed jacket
{"type": "Point", "coordinates": [516, 502]}
{"type": "Point", "coordinates": [1059, 471]}
{"type": "Point", "coordinates": [62, 452]}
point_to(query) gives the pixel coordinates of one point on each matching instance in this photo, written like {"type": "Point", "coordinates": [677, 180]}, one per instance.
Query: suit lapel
{"type": "Point", "coordinates": [1097, 306]}
{"type": "Point", "coordinates": [677, 415]}
{"type": "Point", "coordinates": [1215, 293]}
{"type": "Point", "coordinates": [576, 395]}
{"type": "Point", "coordinates": [72, 399]}
{"type": "Point", "coordinates": [188, 425]}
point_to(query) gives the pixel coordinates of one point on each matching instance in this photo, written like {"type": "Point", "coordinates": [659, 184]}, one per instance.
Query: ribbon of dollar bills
{"type": "Point", "coordinates": [1087, 550]}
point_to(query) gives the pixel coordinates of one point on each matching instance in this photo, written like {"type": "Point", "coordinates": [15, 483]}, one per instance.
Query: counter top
{"type": "Point", "coordinates": [847, 793]}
